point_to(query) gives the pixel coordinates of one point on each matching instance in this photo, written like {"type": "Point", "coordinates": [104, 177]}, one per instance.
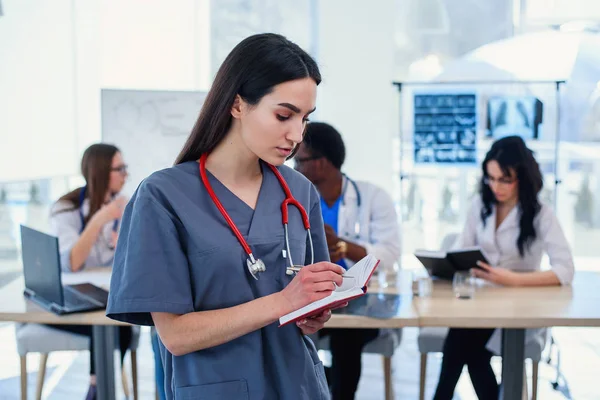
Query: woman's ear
{"type": "Point", "coordinates": [237, 107]}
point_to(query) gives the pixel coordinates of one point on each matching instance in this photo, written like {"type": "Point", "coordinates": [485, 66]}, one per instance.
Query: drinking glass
{"type": "Point", "coordinates": [422, 285]}
{"type": "Point", "coordinates": [463, 285]}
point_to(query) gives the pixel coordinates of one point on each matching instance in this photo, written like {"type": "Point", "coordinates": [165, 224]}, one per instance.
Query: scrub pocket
{"type": "Point", "coordinates": [322, 391]}
{"type": "Point", "coordinates": [298, 246]}
{"type": "Point", "coordinates": [233, 390]}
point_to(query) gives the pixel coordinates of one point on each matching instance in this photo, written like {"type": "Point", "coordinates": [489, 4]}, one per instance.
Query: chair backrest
{"type": "Point", "coordinates": [448, 241]}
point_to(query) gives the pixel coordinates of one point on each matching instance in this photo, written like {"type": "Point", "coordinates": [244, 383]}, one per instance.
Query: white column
{"type": "Point", "coordinates": [356, 57]}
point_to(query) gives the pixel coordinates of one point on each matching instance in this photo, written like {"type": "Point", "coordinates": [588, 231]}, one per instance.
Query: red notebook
{"type": "Point", "coordinates": [353, 285]}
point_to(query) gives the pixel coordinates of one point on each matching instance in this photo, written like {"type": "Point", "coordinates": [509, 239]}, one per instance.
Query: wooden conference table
{"type": "Point", "coordinates": [512, 309]}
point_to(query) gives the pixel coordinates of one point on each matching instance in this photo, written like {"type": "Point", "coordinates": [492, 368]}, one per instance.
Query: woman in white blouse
{"type": "Point", "coordinates": [514, 229]}
{"type": "Point", "coordinates": [86, 222]}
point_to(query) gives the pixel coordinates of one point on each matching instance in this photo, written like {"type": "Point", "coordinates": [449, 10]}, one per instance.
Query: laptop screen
{"type": "Point", "coordinates": [41, 264]}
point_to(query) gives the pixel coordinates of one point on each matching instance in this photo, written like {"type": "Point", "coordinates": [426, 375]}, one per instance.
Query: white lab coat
{"type": "Point", "coordinates": [500, 247]}
{"type": "Point", "coordinates": [66, 225]}
{"type": "Point", "coordinates": [376, 218]}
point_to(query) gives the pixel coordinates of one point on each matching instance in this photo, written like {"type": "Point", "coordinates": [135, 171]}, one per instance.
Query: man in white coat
{"type": "Point", "coordinates": [360, 219]}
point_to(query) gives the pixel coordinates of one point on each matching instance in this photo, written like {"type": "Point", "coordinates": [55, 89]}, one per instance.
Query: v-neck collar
{"type": "Point", "coordinates": [507, 221]}
{"type": "Point", "coordinates": [268, 206]}
{"type": "Point", "coordinates": [213, 179]}
{"type": "Point", "coordinates": [237, 207]}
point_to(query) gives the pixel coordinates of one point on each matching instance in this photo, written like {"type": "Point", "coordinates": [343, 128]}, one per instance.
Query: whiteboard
{"type": "Point", "coordinates": [150, 127]}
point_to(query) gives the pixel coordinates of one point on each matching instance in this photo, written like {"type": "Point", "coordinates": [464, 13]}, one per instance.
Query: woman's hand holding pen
{"type": "Point", "coordinates": [313, 282]}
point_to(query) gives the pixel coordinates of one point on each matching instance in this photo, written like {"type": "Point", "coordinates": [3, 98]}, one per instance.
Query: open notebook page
{"type": "Point", "coordinates": [355, 279]}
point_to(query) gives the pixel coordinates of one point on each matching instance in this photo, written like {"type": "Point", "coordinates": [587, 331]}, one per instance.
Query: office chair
{"type": "Point", "coordinates": [29, 340]}
{"type": "Point", "coordinates": [385, 344]}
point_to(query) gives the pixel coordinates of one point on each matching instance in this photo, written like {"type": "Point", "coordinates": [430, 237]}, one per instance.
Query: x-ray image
{"type": "Point", "coordinates": [445, 128]}
{"type": "Point", "coordinates": [514, 115]}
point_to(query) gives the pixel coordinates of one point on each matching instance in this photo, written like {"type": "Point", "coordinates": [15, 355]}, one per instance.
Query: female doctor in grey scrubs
{"type": "Point", "coordinates": [187, 259]}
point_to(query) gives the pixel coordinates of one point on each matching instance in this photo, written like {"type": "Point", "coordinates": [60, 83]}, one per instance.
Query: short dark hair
{"type": "Point", "coordinates": [252, 69]}
{"type": "Point", "coordinates": [324, 140]}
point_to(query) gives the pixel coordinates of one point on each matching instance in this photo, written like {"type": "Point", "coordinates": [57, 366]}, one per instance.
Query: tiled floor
{"type": "Point", "coordinates": [66, 377]}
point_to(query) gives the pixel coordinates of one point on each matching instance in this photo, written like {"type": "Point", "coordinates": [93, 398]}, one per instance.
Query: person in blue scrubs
{"type": "Point", "coordinates": [360, 219]}
{"type": "Point", "coordinates": [182, 257]}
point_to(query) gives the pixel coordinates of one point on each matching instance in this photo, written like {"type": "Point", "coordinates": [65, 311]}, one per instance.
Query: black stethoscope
{"type": "Point", "coordinates": [358, 202]}
{"type": "Point", "coordinates": [256, 265]}
{"type": "Point", "coordinates": [82, 218]}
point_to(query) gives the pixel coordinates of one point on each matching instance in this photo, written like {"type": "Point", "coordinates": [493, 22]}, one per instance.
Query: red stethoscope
{"type": "Point", "coordinates": [256, 265]}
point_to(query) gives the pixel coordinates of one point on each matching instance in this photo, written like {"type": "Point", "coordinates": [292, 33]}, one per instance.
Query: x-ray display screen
{"type": "Point", "coordinates": [514, 115]}
{"type": "Point", "coordinates": [445, 128]}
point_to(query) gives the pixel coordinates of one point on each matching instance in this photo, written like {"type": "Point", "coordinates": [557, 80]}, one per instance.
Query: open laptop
{"type": "Point", "coordinates": [43, 283]}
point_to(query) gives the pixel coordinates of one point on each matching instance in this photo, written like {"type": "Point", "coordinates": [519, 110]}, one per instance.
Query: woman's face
{"type": "Point", "coordinates": [118, 173]}
{"type": "Point", "coordinates": [274, 127]}
{"type": "Point", "coordinates": [505, 188]}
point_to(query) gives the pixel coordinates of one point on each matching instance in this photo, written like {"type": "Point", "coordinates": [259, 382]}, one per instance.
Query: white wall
{"type": "Point", "coordinates": [541, 11]}
{"type": "Point", "coordinates": [61, 53]}
{"type": "Point", "coordinates": [138, 44]}
{"type": "Point", "coordinates": [56, 56]}
{"type": "Point", "coordinates": [36, 89]}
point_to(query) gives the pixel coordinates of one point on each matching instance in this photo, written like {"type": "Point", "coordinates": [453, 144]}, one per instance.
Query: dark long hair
{"type": "Point", "coordinates": [96, 165]}
{"type": "Point", "coordinates": [512, 153]}
{"type": "Point", "coordinates": [252, 69]}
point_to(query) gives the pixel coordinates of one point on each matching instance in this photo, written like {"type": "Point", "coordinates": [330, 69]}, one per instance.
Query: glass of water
{"type": "Point", "coordinates": [382, 278]}
{"type": "Point", "coordinates": [463, 285]}
{"type": "Point", "coordinates": [422, 286]}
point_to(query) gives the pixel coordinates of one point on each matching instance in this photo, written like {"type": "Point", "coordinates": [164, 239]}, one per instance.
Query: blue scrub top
{"type": "Point", "coordinates": [176, 254]}
{"type": "Point", "coordinates": [330, 217]}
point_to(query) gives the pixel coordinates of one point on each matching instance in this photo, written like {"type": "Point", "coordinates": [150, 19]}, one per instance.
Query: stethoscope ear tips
{"type": "Point", "coordinates": [291, 270]}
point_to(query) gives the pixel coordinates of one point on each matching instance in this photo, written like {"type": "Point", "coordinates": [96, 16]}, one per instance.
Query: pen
{"type": "Point", "coordinates": [297, 269]}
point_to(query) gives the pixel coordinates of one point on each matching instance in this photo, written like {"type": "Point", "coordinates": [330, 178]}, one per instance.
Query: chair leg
{"type": "Point", "coordinates": [24, 377]}
{"type": "Point", "coordinates": [525, 393]}
{"type": "Point", "coordinates": [134, 377]}
{"type": "Point", "coordinates": [423, 376]}
{"type": "Point", "coordinates": [556, 383]}
{"type": "Point", "coordinates": [41, 376]}
{"type": "Point", "coordinates": [387, 373]}
{"type": "Point", "coordinates": [534, 379]}
{"type": "Point", "coordinates": [125, 383]}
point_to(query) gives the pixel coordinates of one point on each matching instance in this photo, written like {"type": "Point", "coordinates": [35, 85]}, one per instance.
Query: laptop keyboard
{"type": "Point", "coordinates": [72, 299]}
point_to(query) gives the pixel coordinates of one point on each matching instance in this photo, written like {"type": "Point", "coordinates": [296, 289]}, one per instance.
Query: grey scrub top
{"type": "Point", "coordinates": [177, 254]}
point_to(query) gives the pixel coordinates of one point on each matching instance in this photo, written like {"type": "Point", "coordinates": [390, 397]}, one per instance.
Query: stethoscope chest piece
{"type": "Point", "coordinates": [255, 266]}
